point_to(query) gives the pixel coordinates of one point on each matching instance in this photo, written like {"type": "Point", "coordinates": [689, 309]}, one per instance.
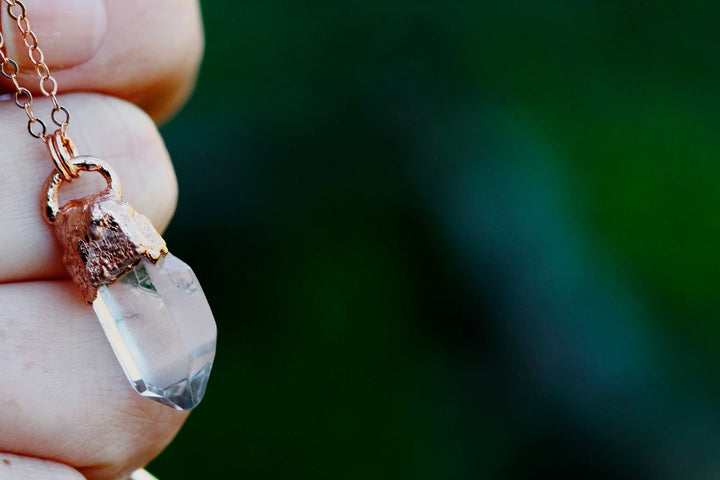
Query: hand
{"type": "Point", "coordinates": [66, 409]}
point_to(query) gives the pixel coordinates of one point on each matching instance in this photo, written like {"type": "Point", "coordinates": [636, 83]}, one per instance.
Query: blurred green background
{"type": "Point", "coordinates": [454, 240]}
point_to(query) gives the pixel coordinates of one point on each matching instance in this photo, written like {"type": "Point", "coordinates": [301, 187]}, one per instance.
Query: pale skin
{"type": "Point", "coordinates": [66, 410]}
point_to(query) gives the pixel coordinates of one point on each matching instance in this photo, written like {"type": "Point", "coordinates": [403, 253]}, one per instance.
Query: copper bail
{"type": "Point", "coordinates": [62, 150]}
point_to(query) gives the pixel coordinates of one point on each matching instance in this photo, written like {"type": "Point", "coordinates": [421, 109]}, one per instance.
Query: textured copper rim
{"type": "Point", "coordinates": [79, 164]}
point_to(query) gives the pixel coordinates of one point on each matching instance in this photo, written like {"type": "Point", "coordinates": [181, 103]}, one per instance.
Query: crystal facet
{"type": "Point", "coordinates": [161, 329]}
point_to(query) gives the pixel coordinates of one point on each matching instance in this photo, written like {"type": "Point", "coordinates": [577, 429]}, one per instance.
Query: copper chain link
{"type": "Point", "coordinates": [48, 85]}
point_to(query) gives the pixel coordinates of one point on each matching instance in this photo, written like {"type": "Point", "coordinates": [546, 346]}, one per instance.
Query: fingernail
{"type": "Point", "coordinates": [69, 32]}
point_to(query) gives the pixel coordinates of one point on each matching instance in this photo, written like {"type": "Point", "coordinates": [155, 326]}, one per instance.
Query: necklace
{"type": "Point", "coordinates": [149, 302]}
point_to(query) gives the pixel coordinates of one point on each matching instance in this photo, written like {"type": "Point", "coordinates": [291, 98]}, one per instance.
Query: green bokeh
{"type": "Point", "coordinates": [369, 326]}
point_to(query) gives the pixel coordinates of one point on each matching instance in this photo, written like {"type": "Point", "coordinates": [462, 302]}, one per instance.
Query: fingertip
{"type": "Point", "coordinates": [69, 33]}
{"type": "Point", "coordinates": [111, 129]}
{"type": "Point", "coordinates": [16, 467]}
{"type": "Point", "coordinates": [98, 424]}
{"type": "Point", "coordinates": [146, 54]}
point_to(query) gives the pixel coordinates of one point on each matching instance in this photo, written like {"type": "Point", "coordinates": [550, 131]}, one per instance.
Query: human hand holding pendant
{"type": "Point", "coordinates": [66, 410]}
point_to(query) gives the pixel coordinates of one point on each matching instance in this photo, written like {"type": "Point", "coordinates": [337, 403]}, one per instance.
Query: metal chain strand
{"type": "Point", "coordinates": [48, 85]}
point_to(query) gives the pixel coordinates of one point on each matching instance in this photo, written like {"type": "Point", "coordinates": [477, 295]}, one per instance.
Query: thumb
{"type": "Point", "coordinates": [69, 32]}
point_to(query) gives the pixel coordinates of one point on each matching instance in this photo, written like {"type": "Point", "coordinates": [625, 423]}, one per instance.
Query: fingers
{"type": "Point", "coordinates": [15, 467]}
{"type": "Point", "coordinates": [147, 54]}
{"type": "Point", "coordinates": [104, 127]}
{"type": "Point", "coordinates": [69, 400]}
{"type": "Point", "coordinates": [81, 38]}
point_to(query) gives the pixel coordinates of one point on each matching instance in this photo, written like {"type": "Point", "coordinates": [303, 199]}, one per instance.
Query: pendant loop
{"type": "Point", "coordinates": [77, 164]}
{"type": "Point", "coordinates": [62, 151]}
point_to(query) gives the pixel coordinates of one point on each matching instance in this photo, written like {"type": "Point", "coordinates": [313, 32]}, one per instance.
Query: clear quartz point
{"type": "Point", "coordinates": [161, 328]}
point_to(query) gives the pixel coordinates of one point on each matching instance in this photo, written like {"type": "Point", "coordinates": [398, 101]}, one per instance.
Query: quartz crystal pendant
{"type": "Point", "coordinates": [161, 329]}
{"type": "Point", "coordinates": [149, 303]}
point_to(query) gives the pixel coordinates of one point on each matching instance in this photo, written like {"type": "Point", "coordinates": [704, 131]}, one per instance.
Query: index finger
{"type": "Point", "coordinates": [103, 126]}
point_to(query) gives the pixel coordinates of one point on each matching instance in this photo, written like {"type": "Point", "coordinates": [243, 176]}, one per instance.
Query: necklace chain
{"type": "Point", "coordinates": [48, 85]}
